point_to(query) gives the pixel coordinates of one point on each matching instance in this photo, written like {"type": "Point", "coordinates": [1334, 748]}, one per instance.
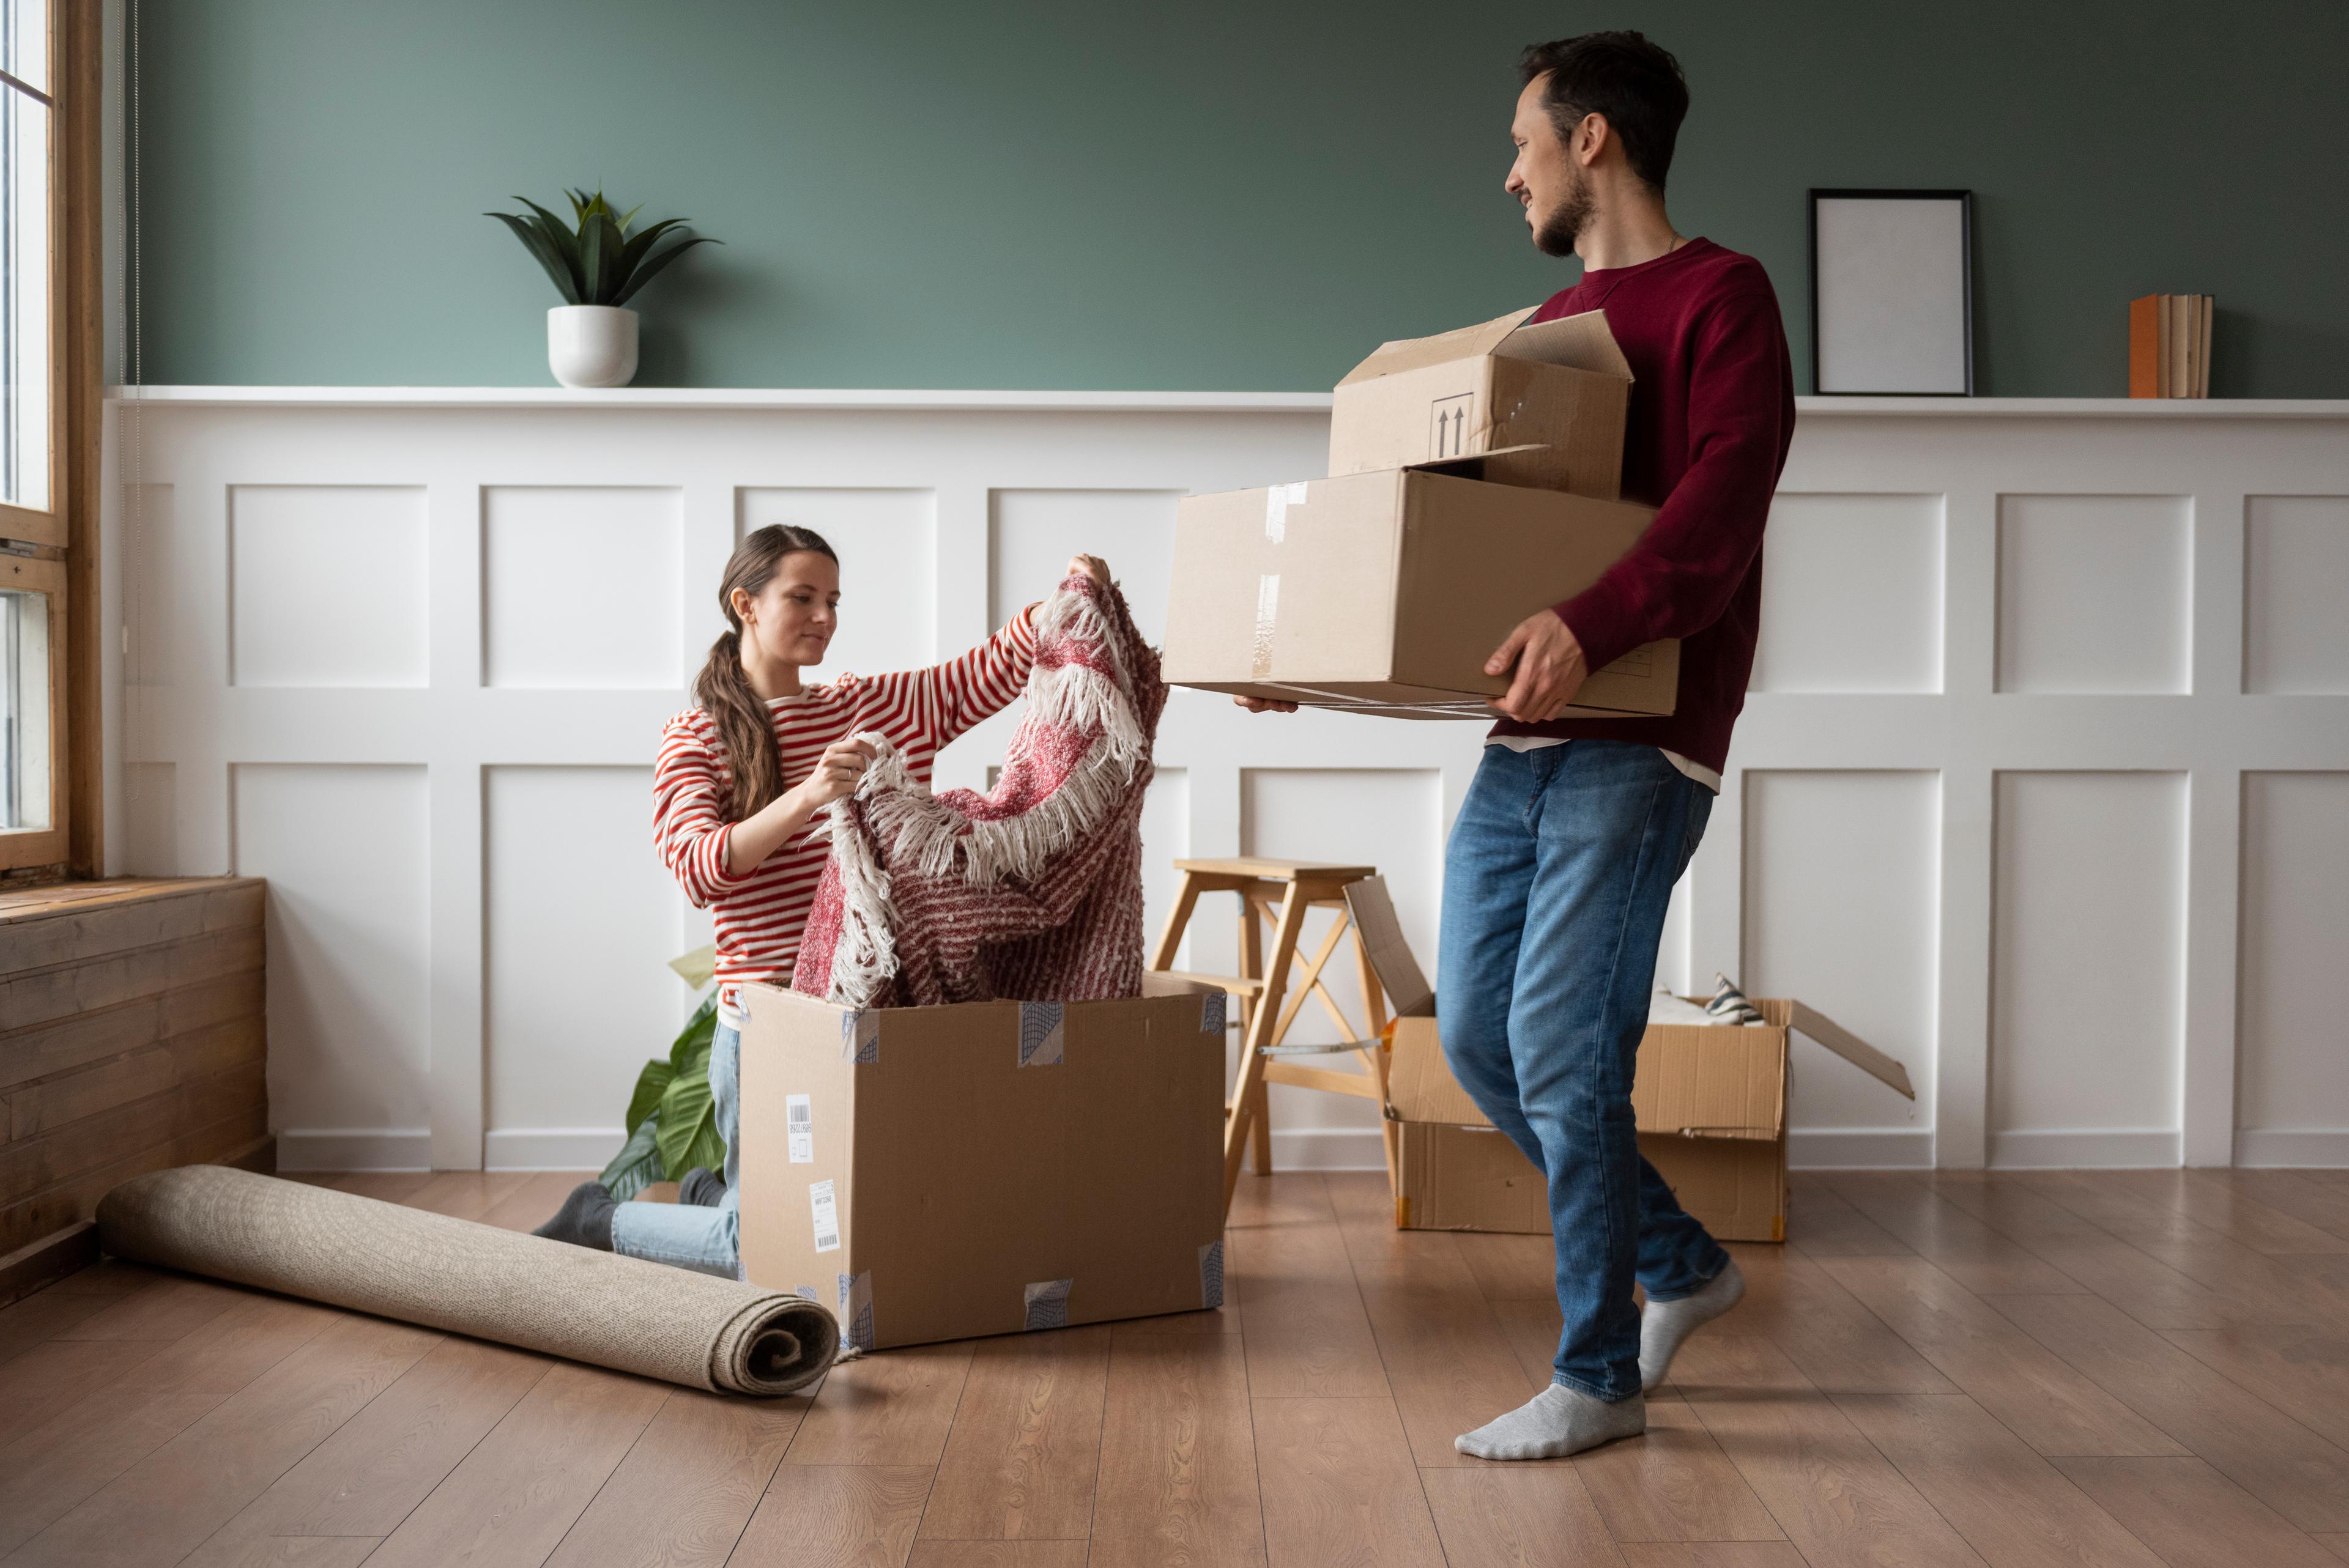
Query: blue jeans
{"type": "Point", "coordinates": [689, 1236]}
{"type": "Point", "coordinates": [1554, 884]}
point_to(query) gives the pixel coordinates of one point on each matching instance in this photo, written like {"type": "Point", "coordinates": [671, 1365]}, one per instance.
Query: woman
{"type": "Point", "coordinates": [736, 837]}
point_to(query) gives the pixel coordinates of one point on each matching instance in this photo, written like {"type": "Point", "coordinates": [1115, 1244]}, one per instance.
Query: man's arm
{"type": "Point", "coordinates": [1680, 576]}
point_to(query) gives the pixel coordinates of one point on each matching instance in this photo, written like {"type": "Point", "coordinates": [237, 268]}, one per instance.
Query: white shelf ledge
{"type": "Point", "coordinates": [891, 398]}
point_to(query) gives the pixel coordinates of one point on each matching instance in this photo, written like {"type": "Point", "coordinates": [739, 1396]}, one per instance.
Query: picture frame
{"type": "Point", "coordinates": [1892, 293]}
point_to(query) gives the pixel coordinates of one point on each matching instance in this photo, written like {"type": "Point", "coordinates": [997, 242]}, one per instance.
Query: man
{"type": "Point", "coordinates": [1567, 848]}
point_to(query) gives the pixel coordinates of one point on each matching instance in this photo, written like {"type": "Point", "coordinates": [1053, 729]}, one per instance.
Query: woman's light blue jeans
{"type": "Point", "coordinates": [1554, 885]}
{"type": "Point", "coordinates": [686, 1235]}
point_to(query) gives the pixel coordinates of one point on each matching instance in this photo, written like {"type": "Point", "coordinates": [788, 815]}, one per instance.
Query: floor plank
{"type": "Point", "coordinates": [2302, 1371]}
{"type": "Point", "coordinates": [835, 1516]}
{"type": "Point", "coordinates": [1837, 1498]}
{"type": "Point", "coordinates": [2209, 1257]}
{"type": "Point", "coordinates": [535, 1201]}
{"type": "Point", "coordinates": [1497, 1517]}
{"type": "Point", "coordinates": [1953, 1240]}
{"type": "Point", "coordinates": [1301, 1314]}
{"type": "Point", "coordinates": [1024, 1451]}
{"type": "Point", "coordinates": [1711, 1554]}
{"type": "Point", "coordinates": [2215, 1199]}
{"type": "Point", "coordinates": [891, 1408]}
{"type": "Point", "coordinates": [174, 1305]}
{"type": "Point", "coordinates": [161, 1507]}
{"type": "Point", "coordinates": [57, 1463]}
{"type": "Point", "coordinates": [2201, 1517]}
{"type": "Point", "coordinates": [686, 1492]}
{"type": "Point", "coordinates": [1510, 1267]}
{"type": "Point", "coordinates": [2012, 1375]}
{"type": "Point", "coordinates": [380, 1465]}
{"type": "Point", "coordinates": [2336, 1544]}
{"type": "Point", "coordinates": [51, 1376]}
{"type": "Point", "coordinates": [1178, 1461]}
{"type": "Point", "coordinates": [2274, 1458]}
{"type": "Point", "coordinates": [1449, 1363]}
{"type": "Point", "coordinates": [466, 1194]}
{"type": "Point", "coordinates": [1821, 1224]}
{"type": "Point", "coordinates": [386, 1186]}
{"type": "Point", "coordinates": [2291, 1192]}
{"type": "Point", "coordinates": [1340, 1489]}
{"type": "Point", "coordinates": [40, 1317]}
{"type": "Point", "coordinates": [2011, 1504]}
{"type": "Point", "coordinates": [1673, 1484]}
{"type": "Point", "coordinates": [509, 1500]}
{"type": "Point", "coordinates": [1836, 1342]}
{"type": "Point", "coordinates": [931, 1554]}
{"type": "Point", "coordinates": [111, 1276]}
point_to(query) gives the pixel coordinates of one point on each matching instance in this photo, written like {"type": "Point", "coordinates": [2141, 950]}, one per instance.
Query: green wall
{"type": "Point", "coordinates": [935, 193]}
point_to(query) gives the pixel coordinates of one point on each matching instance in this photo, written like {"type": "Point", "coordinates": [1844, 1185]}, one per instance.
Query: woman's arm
{"type": "Point", "coordinates": [753, 839]}
{"type": "Point", "coordinates": [690, 798]}
{"type": "Point", "coordinates": [960, 693]}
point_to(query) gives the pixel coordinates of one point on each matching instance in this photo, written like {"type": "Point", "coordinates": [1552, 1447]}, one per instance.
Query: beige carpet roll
{"type": "Point", "coordinates": [425, 1268]}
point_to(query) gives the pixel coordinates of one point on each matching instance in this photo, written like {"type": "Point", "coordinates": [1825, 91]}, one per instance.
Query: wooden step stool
{"type": "Point", "coordinates": [1278, 893]}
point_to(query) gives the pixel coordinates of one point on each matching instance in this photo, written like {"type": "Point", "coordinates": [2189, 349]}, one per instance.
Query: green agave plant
{"type": "Point", "coordinates": [596, 262]}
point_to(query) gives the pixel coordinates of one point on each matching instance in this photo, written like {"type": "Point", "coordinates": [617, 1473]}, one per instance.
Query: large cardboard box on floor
{"type": "Point", "coordinates": [944, 1172]}
{"type": "Point", "coordinates": [1711, 1103]}
{"type": "Point", "coordinates": [1386, 592]}
{"type": "Point", "coordinates": [1710, 1100]}
{"type": "Point", "coordinates": [1556, 391]}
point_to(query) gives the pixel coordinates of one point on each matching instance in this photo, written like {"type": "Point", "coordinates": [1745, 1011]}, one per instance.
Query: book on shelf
{"type": "Point", "coordinates": [2169, 345]}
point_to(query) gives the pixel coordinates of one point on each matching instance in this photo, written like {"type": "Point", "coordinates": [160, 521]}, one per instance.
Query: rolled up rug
{"type": "Point", "coordinates": [419, 1267]}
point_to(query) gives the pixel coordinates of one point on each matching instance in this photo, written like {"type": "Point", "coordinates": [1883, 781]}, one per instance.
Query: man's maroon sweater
{"type": "Point", "coordinates": [1712, 412]}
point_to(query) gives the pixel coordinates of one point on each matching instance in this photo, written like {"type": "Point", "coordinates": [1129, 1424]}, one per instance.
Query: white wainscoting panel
{"type": "Point", "coordinates": [1851, 594]}
{"type": "Point", "coordinates": [346, 849]}
{"type": "Point", "coordinates": [2088, 968]}
{"type": "Point", "coordinates": [579, 587]}
{"type": "Point", "coordinates": [2295, 1039]}
{"type": "Point", "coordinates": [887, 544]}
{"type": "Point", "coordinates": [2043, 687]}
{"type": "Point", "coordinates": [1842, 907]}
{"type": "Point", "coordinates": [327, 586]}
{"type": "Point", "coordinates": [2093, 594]}
{"type": "Point", "coordinates": [2295, 587]}
{"type": "Point", "coordinates": [1165, 839]}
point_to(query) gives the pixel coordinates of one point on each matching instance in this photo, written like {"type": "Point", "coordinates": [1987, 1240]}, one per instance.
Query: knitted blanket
{"type": "Point", "coordinates": [1030, 893]}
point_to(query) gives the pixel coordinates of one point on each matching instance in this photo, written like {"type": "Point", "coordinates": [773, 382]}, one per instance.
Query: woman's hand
{"type": "Point", "coordinates": [835, 775]}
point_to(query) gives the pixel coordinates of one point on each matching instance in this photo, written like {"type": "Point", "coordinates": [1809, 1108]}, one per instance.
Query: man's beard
{"type": "Point", "coordinates": [1567, 221]}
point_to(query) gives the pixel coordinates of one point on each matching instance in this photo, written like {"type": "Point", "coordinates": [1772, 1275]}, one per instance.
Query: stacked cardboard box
{"type": "Point", "coordinates": [1475, 479]}
{"type": "Point", "coordinates": [943, 1172]}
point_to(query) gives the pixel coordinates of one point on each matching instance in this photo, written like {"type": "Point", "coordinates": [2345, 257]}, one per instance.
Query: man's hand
{"type": "Point", "coordinates": [1265, 705]}
{"type": "Point", "coordinates": [1550, 665]}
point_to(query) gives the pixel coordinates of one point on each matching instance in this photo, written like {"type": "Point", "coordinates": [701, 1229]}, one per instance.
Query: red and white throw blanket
{"type": "Point", "coordinates": [1030, 893]}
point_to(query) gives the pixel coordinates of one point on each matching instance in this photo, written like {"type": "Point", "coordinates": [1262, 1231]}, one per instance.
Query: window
{"type": "Point", "coordinates": [47, 51]}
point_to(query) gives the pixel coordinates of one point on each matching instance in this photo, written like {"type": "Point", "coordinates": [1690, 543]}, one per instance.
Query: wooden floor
{"type": "Point", "coordinates": [2108, 1370]}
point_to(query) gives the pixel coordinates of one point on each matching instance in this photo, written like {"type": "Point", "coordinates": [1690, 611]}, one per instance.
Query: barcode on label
{"type": "Point", "coordinates": [798, 1117]}
{"type": "Point", "coordinates": [827, 1217]}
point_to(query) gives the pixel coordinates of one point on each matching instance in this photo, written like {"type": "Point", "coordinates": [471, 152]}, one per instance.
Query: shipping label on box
{"type": "Point", "coordinates": [1386, 592]}
{"type": "Point", "coordinates": [943, 1172]}
{"type": "Point", "coordinates": [1555, 391]}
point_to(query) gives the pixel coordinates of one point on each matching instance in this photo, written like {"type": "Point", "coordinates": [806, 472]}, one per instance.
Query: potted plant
{"type": "Point", "coordinates": [597, 266]}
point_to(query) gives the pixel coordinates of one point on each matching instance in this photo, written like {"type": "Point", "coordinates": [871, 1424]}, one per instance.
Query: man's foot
{"type": "Point", "coordinates": [585, 1220]}
{"type": "Point", "coordinates": [701, 1187]}
{"type": "Point", "coordinates": [1556, 1421]}
{"type": "Point", "coordinates": [1664, 1324]}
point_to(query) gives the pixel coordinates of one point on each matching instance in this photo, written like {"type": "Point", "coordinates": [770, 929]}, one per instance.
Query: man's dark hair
{"type": "Point", "coordinates": [1636, 84]}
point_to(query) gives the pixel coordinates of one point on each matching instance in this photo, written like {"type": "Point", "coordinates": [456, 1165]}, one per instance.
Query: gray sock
{"type": "Point", "coordinates": [1556, 1421]}
{"type": "Point", "coordinates": [701, 1186]}
{"type": "Point", "coordinates": [1664, 1324]}
{"type": "Point", "coordinates": [585, 1220]}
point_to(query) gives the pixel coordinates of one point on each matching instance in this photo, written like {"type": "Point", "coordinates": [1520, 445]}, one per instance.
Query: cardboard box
{"type": "Point", "coordinates": [944, 1172]}
{"type": "Point", "coordinates": [1711, 1106]}
{"type": "Point", "coordinates": [1386, 592]}
{"type": "Point", "coordinates": [1556, 391]}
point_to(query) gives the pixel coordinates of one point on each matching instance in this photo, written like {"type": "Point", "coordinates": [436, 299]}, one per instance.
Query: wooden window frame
{"type": "Point", "coordinates": [54, 552]}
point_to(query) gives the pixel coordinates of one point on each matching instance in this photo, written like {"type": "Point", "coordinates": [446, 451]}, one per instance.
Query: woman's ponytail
{"type": "Point", "coordinates": [723, 691]}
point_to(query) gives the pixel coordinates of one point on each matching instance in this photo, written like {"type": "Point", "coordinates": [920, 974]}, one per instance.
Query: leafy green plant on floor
{"type": "Point", "coordinates": [672, 1118]}
{"type": "Point", "coordinates": [596, 261]}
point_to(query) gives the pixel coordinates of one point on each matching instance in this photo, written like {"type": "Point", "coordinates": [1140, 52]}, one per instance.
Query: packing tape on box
{"type": "Point", "coordinates": [1277, 502]}
{"type": "Point", "coordinates": [1211, 1274]}
{"type": "Point", "coordinates": [1268, 611]}
{"type": "Point", "coordinates": [860, 1036]}
{"type": "Point", "coordinates": [1042, 1031]}
{"type": "Point", "coordinates": [855, 1313]}
{"type": "Point", "coordinates": [1047, 1304]}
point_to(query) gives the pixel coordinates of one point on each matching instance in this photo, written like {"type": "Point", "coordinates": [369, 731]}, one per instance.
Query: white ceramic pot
{"type": "Point", "coordinates": [591, 344]}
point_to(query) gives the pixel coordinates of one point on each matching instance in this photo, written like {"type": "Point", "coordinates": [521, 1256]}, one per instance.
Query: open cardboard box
{"type": "Point", "coordinates": [1556, 392]}
{"type": "Point", "coordinates": [1710, 1100]}
{"type": "Point", "coordinates": [988, 1168]}
{"type": "Point", "coordinates": [1386, 592]}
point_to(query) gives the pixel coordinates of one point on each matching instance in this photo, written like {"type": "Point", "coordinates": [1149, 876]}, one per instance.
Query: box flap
{"type": "Point", "coordinates": [1472, 466]}
{"type": "Point", "coordinates": [1415, 353]}
{"type": "Point", "coordinates": [1578, 342]}
{"type": "Point", "coordinates": [1420, 1085]}
{"type": "Point", "coordinates": [1381, 935]}
{"type": "Point", "coordinates": [1852, 1048]}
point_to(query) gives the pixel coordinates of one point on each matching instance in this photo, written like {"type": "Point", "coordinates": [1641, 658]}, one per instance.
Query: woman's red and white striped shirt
{"type": "Point", "coordinates": [759, 916]}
